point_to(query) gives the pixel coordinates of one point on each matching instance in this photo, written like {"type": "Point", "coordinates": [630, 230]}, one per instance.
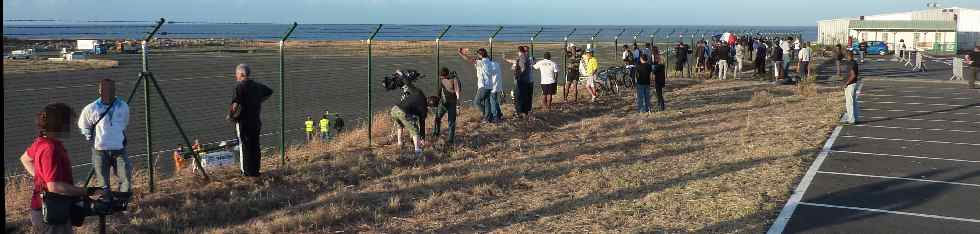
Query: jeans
{"type": "Point", "coordinates": [105, 160]}
{"type": "Point", "coordinates": [643, 98]}
{"type": "Point", "coordinates": [446, 109]}
{"type": "Point", "coordinates": [661, 106]}
{"type": "Point", "coordinates": [785, 72]}
{"type": "Point", "coordinates": [482, 102]}
{"type": "Point", "coordinates": [851, 108]}
{"type": "Point", "coordinates": [494, 107]}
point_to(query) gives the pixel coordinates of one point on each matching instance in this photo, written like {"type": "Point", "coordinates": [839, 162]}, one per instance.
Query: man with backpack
{"type": "Point", "coordinates": [103, 123]}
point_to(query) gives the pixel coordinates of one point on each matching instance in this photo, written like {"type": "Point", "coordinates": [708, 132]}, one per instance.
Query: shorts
{"type": "Point", "coordinates": [403, 121]}
{"type": "Point", "coordinates": [549, 89]}
{"type": "Point", "coordinates": [679, 66]}
{"type": "Point", "coordinates": [572, 78]}
{"type": "Point", "coordinates": [590, 81]}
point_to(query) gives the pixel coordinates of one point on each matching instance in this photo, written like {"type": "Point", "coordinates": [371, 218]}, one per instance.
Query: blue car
{"type": "Point", "coordinates": [874, 47]}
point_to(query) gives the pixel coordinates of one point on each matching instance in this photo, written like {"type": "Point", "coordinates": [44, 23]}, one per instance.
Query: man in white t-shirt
{"type": "Point", "coordinates": [549, 87]}
{"type": "Point", "coordinates": [804, 64]}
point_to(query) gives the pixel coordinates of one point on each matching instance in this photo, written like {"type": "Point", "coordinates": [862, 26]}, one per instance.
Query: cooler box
{"type": "Point", "coordinates": [218, 159]}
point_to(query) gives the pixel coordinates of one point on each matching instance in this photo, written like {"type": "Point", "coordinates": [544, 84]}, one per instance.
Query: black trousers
{"type": "Point", "coordinates": [525, 94]}
{"type": "Point", "coordinates": [248, 139]}
{"type": "Point", "coordinates": [661, 106]}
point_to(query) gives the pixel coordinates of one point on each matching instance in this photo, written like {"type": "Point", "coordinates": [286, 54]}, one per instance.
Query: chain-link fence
{"type": "Point", "coordinates": [331, 71]}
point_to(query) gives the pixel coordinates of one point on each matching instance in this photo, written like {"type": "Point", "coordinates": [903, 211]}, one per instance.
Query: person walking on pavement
{"type": "Point", "coordinates": [104, 122]}
{"type": "Point", "coordinates": [245, 111]}
{"type": "Point", "coordinates": [851, 108]}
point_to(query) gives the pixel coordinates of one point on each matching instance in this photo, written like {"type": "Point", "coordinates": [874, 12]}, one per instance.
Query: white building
{"type": "Point", "coordinates": [937, 29]}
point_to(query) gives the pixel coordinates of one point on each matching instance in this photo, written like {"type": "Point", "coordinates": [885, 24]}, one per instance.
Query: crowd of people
{"type": "Point", "coordinates": [104, 121]}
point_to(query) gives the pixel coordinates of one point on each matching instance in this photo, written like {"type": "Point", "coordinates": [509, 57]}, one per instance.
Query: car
{"type": "Point", "coordinates": [874, 47]}
{"type": "Point", "coordinates": [21, 54]}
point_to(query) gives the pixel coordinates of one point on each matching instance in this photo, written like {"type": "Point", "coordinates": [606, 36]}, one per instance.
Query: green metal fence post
{"type": "Point", "coordinates": [371, 89]}
{"type": "Point", "coordinates": [594, 47]}
{"type": "Point", "coordinates": [282, 95]}
{"type": "Point", "coordinates": [493, 35]}
{"type": "Point", "coordinates": [616, 42]}
{"type": "Point", "coordinates": [531, 52]}
{"type": "Point", "coordinates": [146, 105]}
{"type": "Point", "coordinates": [438, 60]}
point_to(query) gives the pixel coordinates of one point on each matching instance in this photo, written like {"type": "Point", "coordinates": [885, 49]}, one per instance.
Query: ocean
{"type": "Point", "coordinates": [263, 31]}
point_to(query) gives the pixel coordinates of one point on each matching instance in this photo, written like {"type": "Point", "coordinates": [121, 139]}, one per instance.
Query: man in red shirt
{"type": "Point", "coordinates": [47, 161]}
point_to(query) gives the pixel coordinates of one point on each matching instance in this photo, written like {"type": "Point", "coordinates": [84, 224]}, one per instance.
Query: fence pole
{"type": "Point", "coordinates": [370, 113]}
{"type": "Point", "coordinates": [532, 42]}
{"type": "Point", "coordinates": [616, 43]}
{"type": "Point", "coordinates": [282, 95]}
{"type": "Point", "coordinates": [493, 35]}
{"type": "Point", "coordinates": [438, 60]}
{"type": "Point", "coordinates": [592, 40]}
{"type": "Point", "coordinates": [146, 105]}
{"type": "Point", "coordinates": [564, 58]}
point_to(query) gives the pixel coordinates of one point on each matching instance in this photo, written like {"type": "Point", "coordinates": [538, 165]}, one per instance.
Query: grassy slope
{"type": "Point", "coordinates": [722, 159]}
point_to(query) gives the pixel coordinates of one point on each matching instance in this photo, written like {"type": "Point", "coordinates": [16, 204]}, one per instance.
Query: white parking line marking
{"type": "Point", "coordinates": [929, 120]}
{"type": "Point", "coordinates": [910, 140]}
{"type": "Point", "coordinates": [794, 200]}
{"type": "Point", "coordinates": [905, 156]}
{"type": "Point", "coordinates": [899, 178]}
{"type": "Point", "coordinates": [927, 129]}
{"type": "Point", "coordinates": [915, 96]}
{"type": "Point", "coordinates": [919, 111]}
{"type": "Point", "coordinates": [893, 212]}
{"type": "Point", "coordinates": [919, 103]}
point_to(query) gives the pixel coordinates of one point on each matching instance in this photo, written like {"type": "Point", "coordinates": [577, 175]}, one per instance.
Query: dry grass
{"type": "Point", "coordinates": [40, 66]}
{"type": "Point", "coordinates": [722, 159]}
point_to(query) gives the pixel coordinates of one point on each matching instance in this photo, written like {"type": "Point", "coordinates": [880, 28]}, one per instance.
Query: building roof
{"type": "Point", "coordinates": [932, 25]}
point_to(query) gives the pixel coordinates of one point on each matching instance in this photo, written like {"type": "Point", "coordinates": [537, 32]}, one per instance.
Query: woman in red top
{"type": "Point", "coordinates": [47, 161]}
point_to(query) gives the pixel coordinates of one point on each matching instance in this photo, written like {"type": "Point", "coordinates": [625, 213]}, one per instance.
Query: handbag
{"type": "Point", "coordinates": [56, 208]}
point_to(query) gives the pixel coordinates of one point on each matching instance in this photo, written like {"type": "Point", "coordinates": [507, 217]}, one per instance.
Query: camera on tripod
{"type": "Point", "coordinates": [400, 79]}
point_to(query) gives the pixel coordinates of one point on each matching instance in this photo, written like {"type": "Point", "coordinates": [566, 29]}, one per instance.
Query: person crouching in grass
{"type": "Point", "coordinates": [409, 114]}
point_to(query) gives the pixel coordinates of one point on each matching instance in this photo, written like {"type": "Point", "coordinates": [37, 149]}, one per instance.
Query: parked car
{"type": "Point", "coordinates": [21, 54]}
{"type": "Point", "coordinates": [874, 47]}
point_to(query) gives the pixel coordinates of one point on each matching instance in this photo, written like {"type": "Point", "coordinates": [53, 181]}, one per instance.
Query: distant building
{"type": "Point", "coordinates": [937, 29]}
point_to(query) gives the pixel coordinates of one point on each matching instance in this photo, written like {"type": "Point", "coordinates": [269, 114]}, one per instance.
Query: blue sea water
{"type": "Point", "coordinates": [261, 31]}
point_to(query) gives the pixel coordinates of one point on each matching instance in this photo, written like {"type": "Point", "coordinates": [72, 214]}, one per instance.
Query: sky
{"type": "Point", "coordinates": [504, 12]}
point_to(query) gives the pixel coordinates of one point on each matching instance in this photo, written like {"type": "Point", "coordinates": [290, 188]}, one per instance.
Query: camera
{"type": "Point", "coordinates": [400, 79]}
{"type": "Point", "coordinates": [100, 205]}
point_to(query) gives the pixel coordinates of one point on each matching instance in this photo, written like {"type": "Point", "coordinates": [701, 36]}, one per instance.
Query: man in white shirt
{"type": "Point", "coordinates": [787, 55]}
{"type": "Point", "coordinates": [549, 87]}
{"type": "Point", "coordinates": [804, 64]}
{"type": "Point", "coordinates": [485, 73]}
{"type": "Point", "coordinates": [103, 122]}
